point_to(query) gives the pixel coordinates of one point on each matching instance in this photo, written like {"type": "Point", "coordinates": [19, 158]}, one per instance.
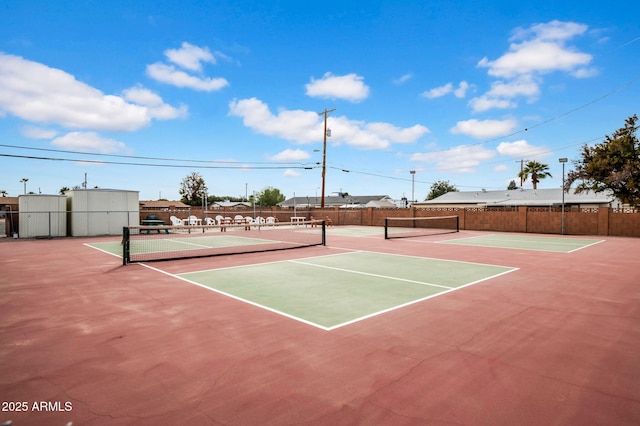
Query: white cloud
{"type": "Point", "coordinates": [349, 87]}
{"type": "Point", "coordinates": [521, 86]}
{"type": "Point", "coordinates": [295, 125]}
{"type": "Point", "coordinates": [461, 159]}
{"type": "Point", "coordinates": [89, 142]}
{"type": "Point", "coordinates": [458, 92]}
{"type": "Point", "coordinates": [170, 75]}
{"type": "Point", "coordinates": [502, 92]}
{"type": "Point", "coordinates": [33, 132]}
{"type": "Point", "coordinates": [37, 93]}
{"type": "Point", "coordinates": [154, 103]}
{"type": "Point", "coordinates": [190, 57]}
{"type": "Point", "coordinates": [403, 79]}
{"type": "Point", "coordinates": [291, 155]}
{"type": "Point", "coordinates": [485, 103]}
{"type": "Point", "coordinates": [307, 127]}
{"type": "Point", "coordinates": [535, 57]}
{"type": "Point", "coordinates": [553, 31]}
{"type": "Point", "coordinates": [535, 51]}
{"type": "Point", "coordinates": [484, 129]}
{"type": "Point", "coordinates": [461, 91]}
{"type": "Point", "coordinates": [291, 173]}
{"type": "Point", "coordinates": [584, 72]}
{"type": "Point", "coordinates": [438, 92]}
{"type": "Point", "coordinates": [501, 168]}
{"type": "Point", "coordinates": [519, 149]}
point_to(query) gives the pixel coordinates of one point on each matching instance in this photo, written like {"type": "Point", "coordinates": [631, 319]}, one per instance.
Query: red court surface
{"type": "Point", "coordinates": [86, 340]}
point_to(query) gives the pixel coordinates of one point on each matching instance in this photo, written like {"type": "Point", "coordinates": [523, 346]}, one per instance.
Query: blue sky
{"type": "Point", "coordinates": [138, 95]}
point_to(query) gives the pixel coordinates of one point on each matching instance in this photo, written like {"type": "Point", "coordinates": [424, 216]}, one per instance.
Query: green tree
{"type": "Point", "coordinates": [64, 190]}
{"type": "Point", "coordinates": [440, 188]}
{"type": "Point", "coordinates": [191, 189]}
{"type": "Point", "coordinates": [512, 185]}
{"type": "Point", "coordinates": [536, 170]}
{"type": "Point", "coordinates": [611, 165]}
{"type": "Point", "coordinates": [270, 196]}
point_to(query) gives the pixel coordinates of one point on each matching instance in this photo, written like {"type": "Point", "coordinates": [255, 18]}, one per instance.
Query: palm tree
{"type": "Point", "coordinates": [536, 170]}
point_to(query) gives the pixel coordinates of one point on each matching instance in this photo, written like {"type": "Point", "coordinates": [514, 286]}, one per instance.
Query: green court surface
{"type": "Point", "coordinates": [335, 290]}
{"type": "Point", "coordinates": [525, 242]}
{"type": "Point", "coordinates": [360, 231]}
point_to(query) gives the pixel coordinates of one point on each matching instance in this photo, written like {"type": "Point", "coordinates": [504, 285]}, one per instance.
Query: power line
{"type": "Point", "coordinates": [79, 160]}
{"type": "Point", "coordinates": [141, 157]}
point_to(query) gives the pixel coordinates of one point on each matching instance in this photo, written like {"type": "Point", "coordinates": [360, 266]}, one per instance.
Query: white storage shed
{"type": "Point", "coordinates": [42, 216]}
{"type": "Point", "coordinates": [95, 212]}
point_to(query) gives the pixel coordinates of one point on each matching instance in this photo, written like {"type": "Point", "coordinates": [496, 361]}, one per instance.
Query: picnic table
{"type": "Point", "coordinates": [154, 225]}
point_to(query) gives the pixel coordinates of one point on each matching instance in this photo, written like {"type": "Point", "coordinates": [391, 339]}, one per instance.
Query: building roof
{"type": "Point", "coordinates": [232, 204]}
{"type": "Point", "coordinates": [9, 201]}
{"type": "Point", "coordinates": [335, 201]}
{"type": "Point", "coordinates": [520, 197]}
{"type": "Point", "coordinates": [163, 204]}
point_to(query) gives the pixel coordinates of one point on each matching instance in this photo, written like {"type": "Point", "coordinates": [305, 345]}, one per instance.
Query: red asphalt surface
{"type": "Point", "coordinates": [86, 340]}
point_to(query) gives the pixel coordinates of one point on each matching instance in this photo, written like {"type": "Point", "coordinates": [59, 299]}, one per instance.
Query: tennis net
{"type": "Point", "coordinates": [149, 243]}
{"type": "Point", "coordinates": [403, 227]}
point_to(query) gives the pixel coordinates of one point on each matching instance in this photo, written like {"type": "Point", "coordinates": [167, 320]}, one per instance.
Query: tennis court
{"type": "Point", "coordinates": [336, 290]}
{"type": "Point", "coordinates": [450, 328]}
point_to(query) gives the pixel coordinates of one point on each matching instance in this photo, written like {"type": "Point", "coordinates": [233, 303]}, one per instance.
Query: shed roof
{"type": "Point", "coordinates": [519, 197]}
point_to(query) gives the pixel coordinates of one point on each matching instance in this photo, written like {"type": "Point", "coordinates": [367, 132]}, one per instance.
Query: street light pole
{"type": "Point", "coordinates": [24, 181]}
{"type": "Point", "coordinates": [413, 175]}
{"type": "Point", "coordinates": [324, 153]}
{"type": "Point", "coordinates": [562, 160]}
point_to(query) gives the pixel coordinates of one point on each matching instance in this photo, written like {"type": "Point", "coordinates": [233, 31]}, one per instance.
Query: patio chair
{"type": "Point", "coordinates": [176, 221]}
{"type": "Point", "coordinates": [193, 220]}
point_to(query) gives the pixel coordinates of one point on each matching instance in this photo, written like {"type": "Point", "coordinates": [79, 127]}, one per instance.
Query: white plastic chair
{"type": "Point", "coordinates": [176, 221]}
{"type": "Point", "coordinates": [192, 220]}
{"type": "Point", "coordinates": [209, 221]}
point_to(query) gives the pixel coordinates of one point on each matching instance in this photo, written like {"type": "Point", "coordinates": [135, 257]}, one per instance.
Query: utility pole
{"type": "Point", "coordinates": [324, 153]}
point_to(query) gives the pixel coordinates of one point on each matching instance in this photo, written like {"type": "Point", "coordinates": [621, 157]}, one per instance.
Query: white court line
{"type": "Point", "coordinates": [371, 275]}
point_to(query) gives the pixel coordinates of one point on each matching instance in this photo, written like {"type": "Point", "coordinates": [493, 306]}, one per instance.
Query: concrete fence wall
{"type": "Point", "coordinates": [623, 222]}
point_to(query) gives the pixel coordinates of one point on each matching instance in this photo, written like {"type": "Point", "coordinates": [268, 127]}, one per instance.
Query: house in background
{"type": "Point", "coordinates": [520, 197]}
{"type": "Point", "coordinates": [230, 205]}
{"type": "Point", "coordinates": [340, 200]}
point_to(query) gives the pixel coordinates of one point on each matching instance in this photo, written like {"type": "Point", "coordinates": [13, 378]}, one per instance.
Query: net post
{"type": "Point", "coordinates": [324, 233]}
{"type": "Point", "coordinates": [457, 223]}
{"type": "Point", "coordinates": [126, 253]}
{"type": "Point", "coordinates": [386, 226]}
